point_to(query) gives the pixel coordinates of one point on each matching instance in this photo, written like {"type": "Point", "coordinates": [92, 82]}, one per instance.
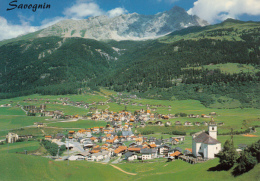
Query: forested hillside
{"type": "Point", "coordinates": [183, 65]}
{"type": "Point", "coordinates": [51, 65]}
{"type": "Point", "coordinates": [167, 70]}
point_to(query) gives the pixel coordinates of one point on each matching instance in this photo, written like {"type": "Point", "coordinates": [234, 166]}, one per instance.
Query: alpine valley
{"type": "Point", "coordinates": [170, 55]}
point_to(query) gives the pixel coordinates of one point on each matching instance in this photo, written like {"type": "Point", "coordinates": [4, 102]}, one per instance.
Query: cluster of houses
{"type": "Point", "coordinates": [109, 143]}
{"type": "Point", "coordinates": [92, 148]}
{"type": "Point", "coordinates": [111, 139]}
{"type": "Point", "coordinates": [97, 148]}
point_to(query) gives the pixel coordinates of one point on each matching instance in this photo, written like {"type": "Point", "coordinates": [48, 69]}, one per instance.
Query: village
{"type": "Point", "coordinates": [120, 132]}
{"type": "Point", "coordinates": [117, 141]}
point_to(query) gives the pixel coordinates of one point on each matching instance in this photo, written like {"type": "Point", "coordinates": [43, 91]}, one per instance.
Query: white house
{"type": "Point", "coordinates": [148, 154]}
{"type": "Point", "coordinates": [206, 145]}
{"type": "Point", "coordinates": [95, 157]}
{"type": "Point", "coordinates": [130, 156]}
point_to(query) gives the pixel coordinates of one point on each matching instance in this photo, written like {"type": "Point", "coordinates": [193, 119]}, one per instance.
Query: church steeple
{"type": "Point", "coordinates": [213, 129]}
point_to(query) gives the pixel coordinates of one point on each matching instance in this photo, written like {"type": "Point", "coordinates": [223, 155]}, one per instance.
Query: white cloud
{"type": "Point", "coordinates": [83, 9]}
{"type": "Point", "coordinates": [219, 10]}
{"type": "Point", "coordinates": [86, 8]}
{"type": "Point", "coordinates": [116, 12]}
{"type": "Point", "coordinates": [8, 30]}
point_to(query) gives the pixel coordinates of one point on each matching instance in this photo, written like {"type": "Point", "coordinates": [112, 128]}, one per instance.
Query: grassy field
{"type": "Point", "coordinates": [8, 122]}
{"type": "Point", "coordinates": [229, 68]}
{"type": "Point", "coordinates": [79, 124]}
{"type": "Point", "coordinates": [67, 110]}
{"type": "Point", "coordinates": [19, 147]}
{"type": "Point", "coordinates": [11, 111]}
{"type": "Point", "coordinates": [180, 170]}
{"type": "Point", "coordinates": [238, 139]}
{"type": "Point", "coordinates": [28, 167]}
{"type": "Point", "coordinates": [14, 117]}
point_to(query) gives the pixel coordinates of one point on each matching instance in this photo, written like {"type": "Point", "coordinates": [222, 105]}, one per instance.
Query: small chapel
{"type": "Point", "coordinates": [205, 144]}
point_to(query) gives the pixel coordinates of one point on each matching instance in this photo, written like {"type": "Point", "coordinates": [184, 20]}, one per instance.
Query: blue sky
{"type": "Point", "coordinates": [21, 21]}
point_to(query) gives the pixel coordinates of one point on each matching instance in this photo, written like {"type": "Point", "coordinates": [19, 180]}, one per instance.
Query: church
{"type": "Point", "coordinates": [205, 144]}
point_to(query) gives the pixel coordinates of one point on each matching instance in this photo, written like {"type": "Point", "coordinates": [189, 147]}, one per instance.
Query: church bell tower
{"type": "Point", "coordinates": [213, 129]}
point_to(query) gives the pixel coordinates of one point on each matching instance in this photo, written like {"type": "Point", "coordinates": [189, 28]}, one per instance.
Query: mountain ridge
{"type": "Point", "coordinates": [126, 26]}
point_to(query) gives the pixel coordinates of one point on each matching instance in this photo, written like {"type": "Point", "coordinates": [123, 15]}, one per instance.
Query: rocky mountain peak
{"type": "Point", "coordinates": [125, 27]}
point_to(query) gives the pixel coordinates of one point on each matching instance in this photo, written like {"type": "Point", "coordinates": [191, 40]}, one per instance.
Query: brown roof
{"type": "Point", "coordinates": [205, 138]}
{"type": "Point", "coordinates": [120, 149]}
{"type": "Point", "coordinates": [110, 141]}
{"type": "Point", "coordinates": [134, 149]}
{"type": "Point", "coordinates": [138, 139]}
{"type": "Point", "coordinates": [152, 145]}
{"type": "Point", "coordinates": [93, 138]}
{"type": "Point", "coordinates": [94, 151]}
{"type": "Point", "coordinates": [189, 149]}
{"type": "Point", "coordinates": [82, 131]}
{"type": "Point", "coordinates": [96, 146]}
{"type": "Point", "coordinates": [176, 153]}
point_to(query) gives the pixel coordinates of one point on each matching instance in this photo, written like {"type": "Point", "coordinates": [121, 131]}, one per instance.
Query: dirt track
{"type": "Point", "coordinates": [122, 170]}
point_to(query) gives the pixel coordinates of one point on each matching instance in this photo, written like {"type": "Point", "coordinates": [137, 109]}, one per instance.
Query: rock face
{"type": "Point", "coordinates": [125, 27]}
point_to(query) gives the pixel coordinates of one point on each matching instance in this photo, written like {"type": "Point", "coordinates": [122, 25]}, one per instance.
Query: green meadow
{"type": "Point", "coordinates": [229, 68]}
{"type": "Point", "coordinates": [14, 117]}
{"type": "Point", "coordinates": [19, 147]}
{"type": "Point", "coordinates": [27, 167]}
{"type": "Point", "coordinates": [79, 124]}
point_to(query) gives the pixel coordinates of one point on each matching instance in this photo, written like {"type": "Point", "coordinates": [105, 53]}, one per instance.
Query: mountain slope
{"type": "Point", "coordinates": [125, 27]}
{"type": "Point", "coordinates": [26, 65]}
{"type": "Point", "coordinates": [165, 68]}
{"type": "Point", "coordinates": [230, 29]}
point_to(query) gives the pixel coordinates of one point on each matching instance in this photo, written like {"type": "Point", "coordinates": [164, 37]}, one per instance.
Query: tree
{"type": "Point", "coordinates": [228, 156]}
{"type": "Point", "coordinates": [254, 149]}
{"type": "Point", "coordinates": [245, 162]}
{"type": "Point", "coordinates": [62, 149]}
